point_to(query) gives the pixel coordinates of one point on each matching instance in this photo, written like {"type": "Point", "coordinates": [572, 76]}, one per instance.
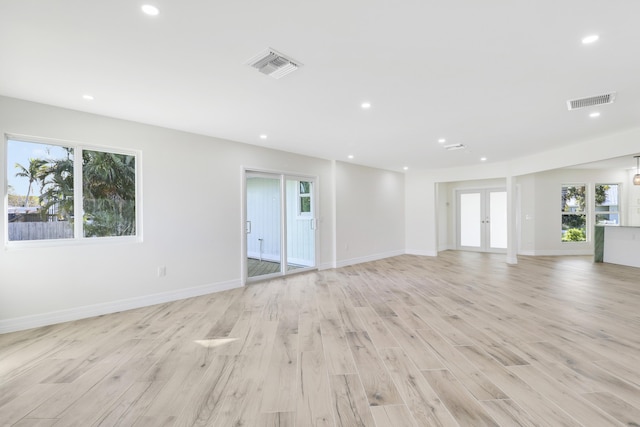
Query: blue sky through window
{"type": "Point", "coordinates": [20, 152]}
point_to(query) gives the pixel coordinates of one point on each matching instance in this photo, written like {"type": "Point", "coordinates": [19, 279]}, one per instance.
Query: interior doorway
{"type": "Point", "coordinates": [482, 220]}
{"type": "Point", "coordinates": [280, 225]}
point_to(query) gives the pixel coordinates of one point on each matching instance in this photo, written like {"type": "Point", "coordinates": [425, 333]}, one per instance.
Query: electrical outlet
{"type": "Point", "coordinates": [162, 271]}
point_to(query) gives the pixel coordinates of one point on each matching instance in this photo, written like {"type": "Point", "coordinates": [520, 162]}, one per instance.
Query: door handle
{"type": "Point", "coordinates": [247, 227]}
{"type": "Point", "coordinates": [313, 224]}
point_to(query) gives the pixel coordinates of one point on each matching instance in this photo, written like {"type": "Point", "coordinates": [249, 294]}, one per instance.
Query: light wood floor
{"type": "Point", "coordinates": [462, 339]}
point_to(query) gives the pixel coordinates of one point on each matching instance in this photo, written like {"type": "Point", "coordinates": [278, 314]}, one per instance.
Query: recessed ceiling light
{"type": "Point", "coordinates": [350, 156]}
{"type": "Point", "coordinates": [406, 168]}
{"type": "Point", "coordinates": [263, 136]}
{"type": "Point", "coordinates": [365, 105]}
{"type": "Point", "coordinates": [442, 141]}
{"type": "Point", "coordinates": [590, 39]}
{"type": "Point", "coordinates": [87, 97]}
{"type": "Point", "coordinates": [150, 10]}
{"type": "Point", "coordinates": [594, 115]}
{"type": "Point", "coordinates": [483, 159]}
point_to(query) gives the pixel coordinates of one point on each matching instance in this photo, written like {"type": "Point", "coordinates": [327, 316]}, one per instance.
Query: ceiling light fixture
{"type": "Point", "coordinates": [365, 105]}
{"type": "Point", "coordinates": [590, 39]}
{"type": "Point", "coordinates": [406, 168]}
{"type": "Point", "coordinates": [263, 136]}
{"type": "Point", "coordinates": [350, 156]}
{"type": "Point", "coordinates": [87, 97]}
{"type": "Point", "coordinates": [483, 159]}
{"type": "Point", "coordinates": [636, 177]}
{"type": "Point", "coordinates": [150, 10]}
{"type": "Point", "coordinates": [442, 141]}
{"type": "Point", "coordinates": [594, 115]}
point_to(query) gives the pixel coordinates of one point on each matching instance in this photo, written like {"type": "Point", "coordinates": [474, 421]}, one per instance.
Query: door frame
{"type": "Point", "coordinates": [485, 243]}
{"type": "Point", "coordinates": [282, 176]}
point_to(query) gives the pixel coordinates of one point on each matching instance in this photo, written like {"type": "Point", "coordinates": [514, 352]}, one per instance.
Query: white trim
{"type": "Point", "coordinates": [422, 252]}
{"type": "Point", "coordinates": [326, 266]}
{"type": "Point", "coordinates": [557, 252]}
{"type": "Point", "coordinates": [368, 258]}
{"type": "Point", "coordinates": [51, 318]}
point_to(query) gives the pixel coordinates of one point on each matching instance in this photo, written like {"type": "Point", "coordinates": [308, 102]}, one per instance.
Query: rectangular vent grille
{"type": "Point", "coordinates": [273, 63]}
{"type": "Point", "coordinates": [452, 147]}
{"type": "Point", "coordinates": [607, 98]}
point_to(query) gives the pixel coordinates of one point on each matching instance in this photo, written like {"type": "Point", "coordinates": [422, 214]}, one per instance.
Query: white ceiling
{"type": "Point", "coordinates": [493, 74]}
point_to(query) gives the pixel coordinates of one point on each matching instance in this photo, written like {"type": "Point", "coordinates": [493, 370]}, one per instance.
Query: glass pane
{"type": "Point", "coordinates": [607, 219]}
{"type": "Point", "coordinates": [470, 220]}
{"type": "Point", "coordinates": [305, 204]}
{"type": "Point", "coordinates": [305, 187]}
{"type": "Point", "coordinates": [40, 196]}
{"type": "Point", "coordinates": [300, 229]}
{"type": "Point", "coordinates": [263, 227]}
{"type": "Point", "coordinates": [574, 228]}
{"type": "Point", "coordinates": [498, 219]}
{"type": "Point", "coordinates": [607, 196]}
{"type": "Point", "coordinates": [573, 198]}
{"type": "Point", "coordinates": [109, 194]}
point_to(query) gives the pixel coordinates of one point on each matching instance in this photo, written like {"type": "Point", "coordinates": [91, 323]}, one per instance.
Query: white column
{"type": "Point", "coordinates": [512, 229]}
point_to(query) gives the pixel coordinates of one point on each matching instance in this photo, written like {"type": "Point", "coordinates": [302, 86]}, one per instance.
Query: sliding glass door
{"type": "Point", "coordinates": [280, 227]}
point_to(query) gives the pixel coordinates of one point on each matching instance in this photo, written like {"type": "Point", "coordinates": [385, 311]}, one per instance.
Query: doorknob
{"type": "Point", "coordinates": [247, 228]}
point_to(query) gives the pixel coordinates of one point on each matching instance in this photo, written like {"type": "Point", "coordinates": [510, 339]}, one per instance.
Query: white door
{"type": "Point", "coordinates": [482, 220]}
{"type": "Point", "coordinates": [280, 225]}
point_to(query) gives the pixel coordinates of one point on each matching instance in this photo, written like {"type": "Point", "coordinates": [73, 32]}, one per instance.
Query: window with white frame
{"type": "Point", "coordinates": [573, 213]}
{"type": "Point", "coordinates": [607, 206]}
{"type": "Point", "coordinates": [65, 191]}
{"type": "Point", "coordinates": [304, 198]}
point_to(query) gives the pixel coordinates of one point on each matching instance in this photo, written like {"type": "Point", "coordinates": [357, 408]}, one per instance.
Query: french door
{"type": "Point", "coordinates": [482, 220]}
{"type": "Point", "coordinates": [280, 225]}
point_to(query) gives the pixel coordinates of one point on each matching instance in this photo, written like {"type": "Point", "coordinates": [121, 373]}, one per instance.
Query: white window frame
{"type": "Point", "coordinates": [617, 212]}
{"type": "Point", "coordinates": [78, 205]}
{"type": "Point", "coordinates": [585, 212]}
{"type": "Point", "coordinates": [305, 195]}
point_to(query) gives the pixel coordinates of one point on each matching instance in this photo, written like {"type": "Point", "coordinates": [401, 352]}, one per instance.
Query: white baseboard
{"type": "Point", "coordinates": [326, 266]}
{"type": "Point", "coordinates": [421, 252]}
{"type": "Point", "coordinates": [368, 258]}
{"type": "Point", "coordinates": [51, 318]}
{"type": "Point", "coordinates": [557, 252]}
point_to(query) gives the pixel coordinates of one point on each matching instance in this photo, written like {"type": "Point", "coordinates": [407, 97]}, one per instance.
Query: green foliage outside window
{"type": "Point", "coordinates": [574, 235]}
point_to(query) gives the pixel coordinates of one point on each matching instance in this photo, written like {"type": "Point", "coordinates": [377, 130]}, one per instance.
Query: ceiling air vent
{"type": "Point", "coordinates": [273, 63]}
{"type": "Point", "coordinates": [607, 98]}
{"type": "Point", "coordinates": [452, 147]}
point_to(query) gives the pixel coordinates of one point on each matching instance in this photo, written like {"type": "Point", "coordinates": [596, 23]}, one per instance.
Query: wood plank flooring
{"type": "Point", "coordinates": [458, 340]}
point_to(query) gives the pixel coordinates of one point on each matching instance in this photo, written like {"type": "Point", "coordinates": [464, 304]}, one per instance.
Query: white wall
{"type": "Point", "coordinates": [421, 231]}
{"type": "Point", "coordinates": [201, 249]}
{"type": "Point", "coordinates": [370, 213]}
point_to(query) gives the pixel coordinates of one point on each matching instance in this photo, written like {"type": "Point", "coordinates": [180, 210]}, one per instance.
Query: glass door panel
{"type": "Point", "coordinates": [470, 220]}
{"type": "Point", "coordinates": [263, 227]}
{"type": "Point", "coordinates": [498, 219]}
{"type": "Point", "coordinates": [300, 224]}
